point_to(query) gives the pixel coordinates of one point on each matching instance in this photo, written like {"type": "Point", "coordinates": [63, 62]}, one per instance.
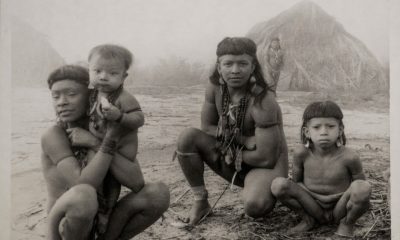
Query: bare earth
{"type": "Point", "coordinates": [168, 112]}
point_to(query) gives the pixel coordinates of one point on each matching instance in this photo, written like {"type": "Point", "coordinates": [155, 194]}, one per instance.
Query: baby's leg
{"type": "Point", "coordinates": [110, 191]}
{"type": "Point", "coordinates": [299, 200]}
{"type": "Point", "coordinates": [353, 204]}
{"type": "Point", "coordinates": [128, 146]}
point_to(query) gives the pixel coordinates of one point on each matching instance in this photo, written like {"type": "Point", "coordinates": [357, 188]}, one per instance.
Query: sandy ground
{"type": "Point", "coordinates": [168, 112]}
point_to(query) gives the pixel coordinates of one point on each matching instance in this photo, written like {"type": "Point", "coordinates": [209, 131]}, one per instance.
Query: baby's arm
{"type": "Point", "coordinates": [354, 165]}
{"type": "Point", "coordinates": [131, 116]}
{"type": "Point", "coordinates": [298, 164]}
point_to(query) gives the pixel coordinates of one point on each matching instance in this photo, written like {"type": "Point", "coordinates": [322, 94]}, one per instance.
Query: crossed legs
{"type": "Point", "coordinates": [352, 204]}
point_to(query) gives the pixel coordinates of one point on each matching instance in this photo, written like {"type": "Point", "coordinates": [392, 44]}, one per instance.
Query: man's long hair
{"type": "Point", "coordinates": [239, 46]}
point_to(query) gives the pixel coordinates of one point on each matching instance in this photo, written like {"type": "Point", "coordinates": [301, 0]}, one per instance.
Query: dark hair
{"type": "Point", "coordinates": [324, 109]}
{"type": "Point", "coordinates": [71, 72]}
{"type": "Point", "coordinates": [239, 46]}
{"type": "Point", "coordinates": [113, 51]}
{"type": "Point", "coordinates": [274, 39]}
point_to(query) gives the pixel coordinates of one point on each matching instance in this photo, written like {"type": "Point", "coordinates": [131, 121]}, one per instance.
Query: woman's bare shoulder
{"type": "Point", "coordinates": [52, 133]}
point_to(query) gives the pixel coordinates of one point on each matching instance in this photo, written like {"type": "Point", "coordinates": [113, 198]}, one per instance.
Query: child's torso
{"type": "Point", "coordinates": [327, 175]}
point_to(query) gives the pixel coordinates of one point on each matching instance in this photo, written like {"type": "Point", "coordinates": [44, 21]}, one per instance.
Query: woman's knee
{"type": "Point", "coordinates": [186, 139]}
{"type": "Point", "coordinates": [83, 201]}
{"type": "Point", "coordinates": [360, 192]}
{"type": "Point", "coordinates": [280, 187]}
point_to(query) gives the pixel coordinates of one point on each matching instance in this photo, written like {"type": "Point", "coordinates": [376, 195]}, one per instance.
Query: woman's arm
{"type": "Point", "coordinates": [56, 146]}
{"type": "Point", "coordinates": [125, 169]}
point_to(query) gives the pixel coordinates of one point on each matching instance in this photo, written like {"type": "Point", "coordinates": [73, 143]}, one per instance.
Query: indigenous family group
{"type": "Point", "coordinates": [91, 150]}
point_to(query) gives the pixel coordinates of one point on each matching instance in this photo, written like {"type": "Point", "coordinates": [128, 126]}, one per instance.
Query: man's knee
{"type": "Point", "coordinates": [360, 192]}
{"type": "Point", "coordinates": [158, 196]}
{"type": "Point", "coordinates": [83, 202]}
{"type": "Point", "coordinates": [280, 187]}
{"type": "Point", "coordinates": [258, 208]}
{"type": "Point", "coordinates": [186, 139]}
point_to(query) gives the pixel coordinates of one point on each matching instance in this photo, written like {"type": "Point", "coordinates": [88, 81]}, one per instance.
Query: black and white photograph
{"type": "Point", "coordinates": [259, 119]}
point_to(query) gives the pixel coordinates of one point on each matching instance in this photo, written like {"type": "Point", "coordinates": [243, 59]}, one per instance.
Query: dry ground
{"type": "Point", "coordinates": [168, 111]}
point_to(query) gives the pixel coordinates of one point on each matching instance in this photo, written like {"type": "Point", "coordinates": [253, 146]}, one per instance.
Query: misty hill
{"type": "Point", "coordinates": [32, 56]}
{"type": "Point", "coordinates": [318, 52]}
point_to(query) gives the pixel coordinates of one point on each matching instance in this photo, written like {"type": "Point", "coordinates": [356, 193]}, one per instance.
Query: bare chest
{"type": "Point", "coordinates": [328, 173]}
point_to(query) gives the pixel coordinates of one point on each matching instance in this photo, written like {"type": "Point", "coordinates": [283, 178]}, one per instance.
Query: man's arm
{"type": "Point", "coordinates": [268, 136]}
{"type": "Point", "coordinates": [268, 58]}
{"type": "Point", "coordinates": [209, 112]}
{"type": "Point", "coordinates": [268, 148]}
{"type": "Point", "coordinates": [298, 164]}
{"type": "Point", "coordinates": [56, 146]}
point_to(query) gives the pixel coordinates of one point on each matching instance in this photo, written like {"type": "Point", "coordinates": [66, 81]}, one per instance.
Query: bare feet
{"type": "Point", "coordinates": [199, 209]}
{"type": "Point", "coordinates": [306, 224]}
{"type": "Point", "coordinates": [345, 230]}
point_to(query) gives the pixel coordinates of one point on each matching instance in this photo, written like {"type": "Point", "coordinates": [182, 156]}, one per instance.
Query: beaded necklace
{"type": "Point", "coordinates": [230, 128]}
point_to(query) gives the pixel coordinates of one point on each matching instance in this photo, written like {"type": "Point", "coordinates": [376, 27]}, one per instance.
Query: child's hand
{"type": "Point", "coordinates": [112, 113]}
{"type": "Point", "coordinates": [81, 137]}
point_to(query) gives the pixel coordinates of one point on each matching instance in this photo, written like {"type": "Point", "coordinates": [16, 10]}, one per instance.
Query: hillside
{"type": "Point", "coordinates": [32, 56]}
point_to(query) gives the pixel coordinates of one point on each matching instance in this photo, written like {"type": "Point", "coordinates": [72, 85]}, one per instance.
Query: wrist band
{"type": "Point", "coordinates": [108, 146]}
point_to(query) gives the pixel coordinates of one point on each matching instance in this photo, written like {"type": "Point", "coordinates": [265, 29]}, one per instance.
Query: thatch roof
{"type": "Point", "coordinates": [319, 53]}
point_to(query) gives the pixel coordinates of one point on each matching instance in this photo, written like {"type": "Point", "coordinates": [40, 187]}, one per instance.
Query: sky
{"type": "Point", "coordinates": [190, 29]}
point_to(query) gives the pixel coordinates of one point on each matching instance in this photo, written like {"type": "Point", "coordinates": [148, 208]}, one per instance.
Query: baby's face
{"type": "Point", "coordinates": [106, 74]}
{"type": "Point", "coordinates": [323, 132]}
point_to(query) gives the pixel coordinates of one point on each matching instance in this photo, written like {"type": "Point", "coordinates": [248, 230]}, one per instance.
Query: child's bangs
{"type": "Point", "coordinates": [325, 109]}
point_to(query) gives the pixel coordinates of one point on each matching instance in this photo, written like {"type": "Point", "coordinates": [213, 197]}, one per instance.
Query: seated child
{"type": "Point", "coordinates": [328, 183]}
{"type": "Point", "coordinates": [110, 102]}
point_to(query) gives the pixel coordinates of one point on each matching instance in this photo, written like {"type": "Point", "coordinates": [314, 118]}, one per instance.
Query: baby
{"type": "Point", "coordinates": [111, 103]}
